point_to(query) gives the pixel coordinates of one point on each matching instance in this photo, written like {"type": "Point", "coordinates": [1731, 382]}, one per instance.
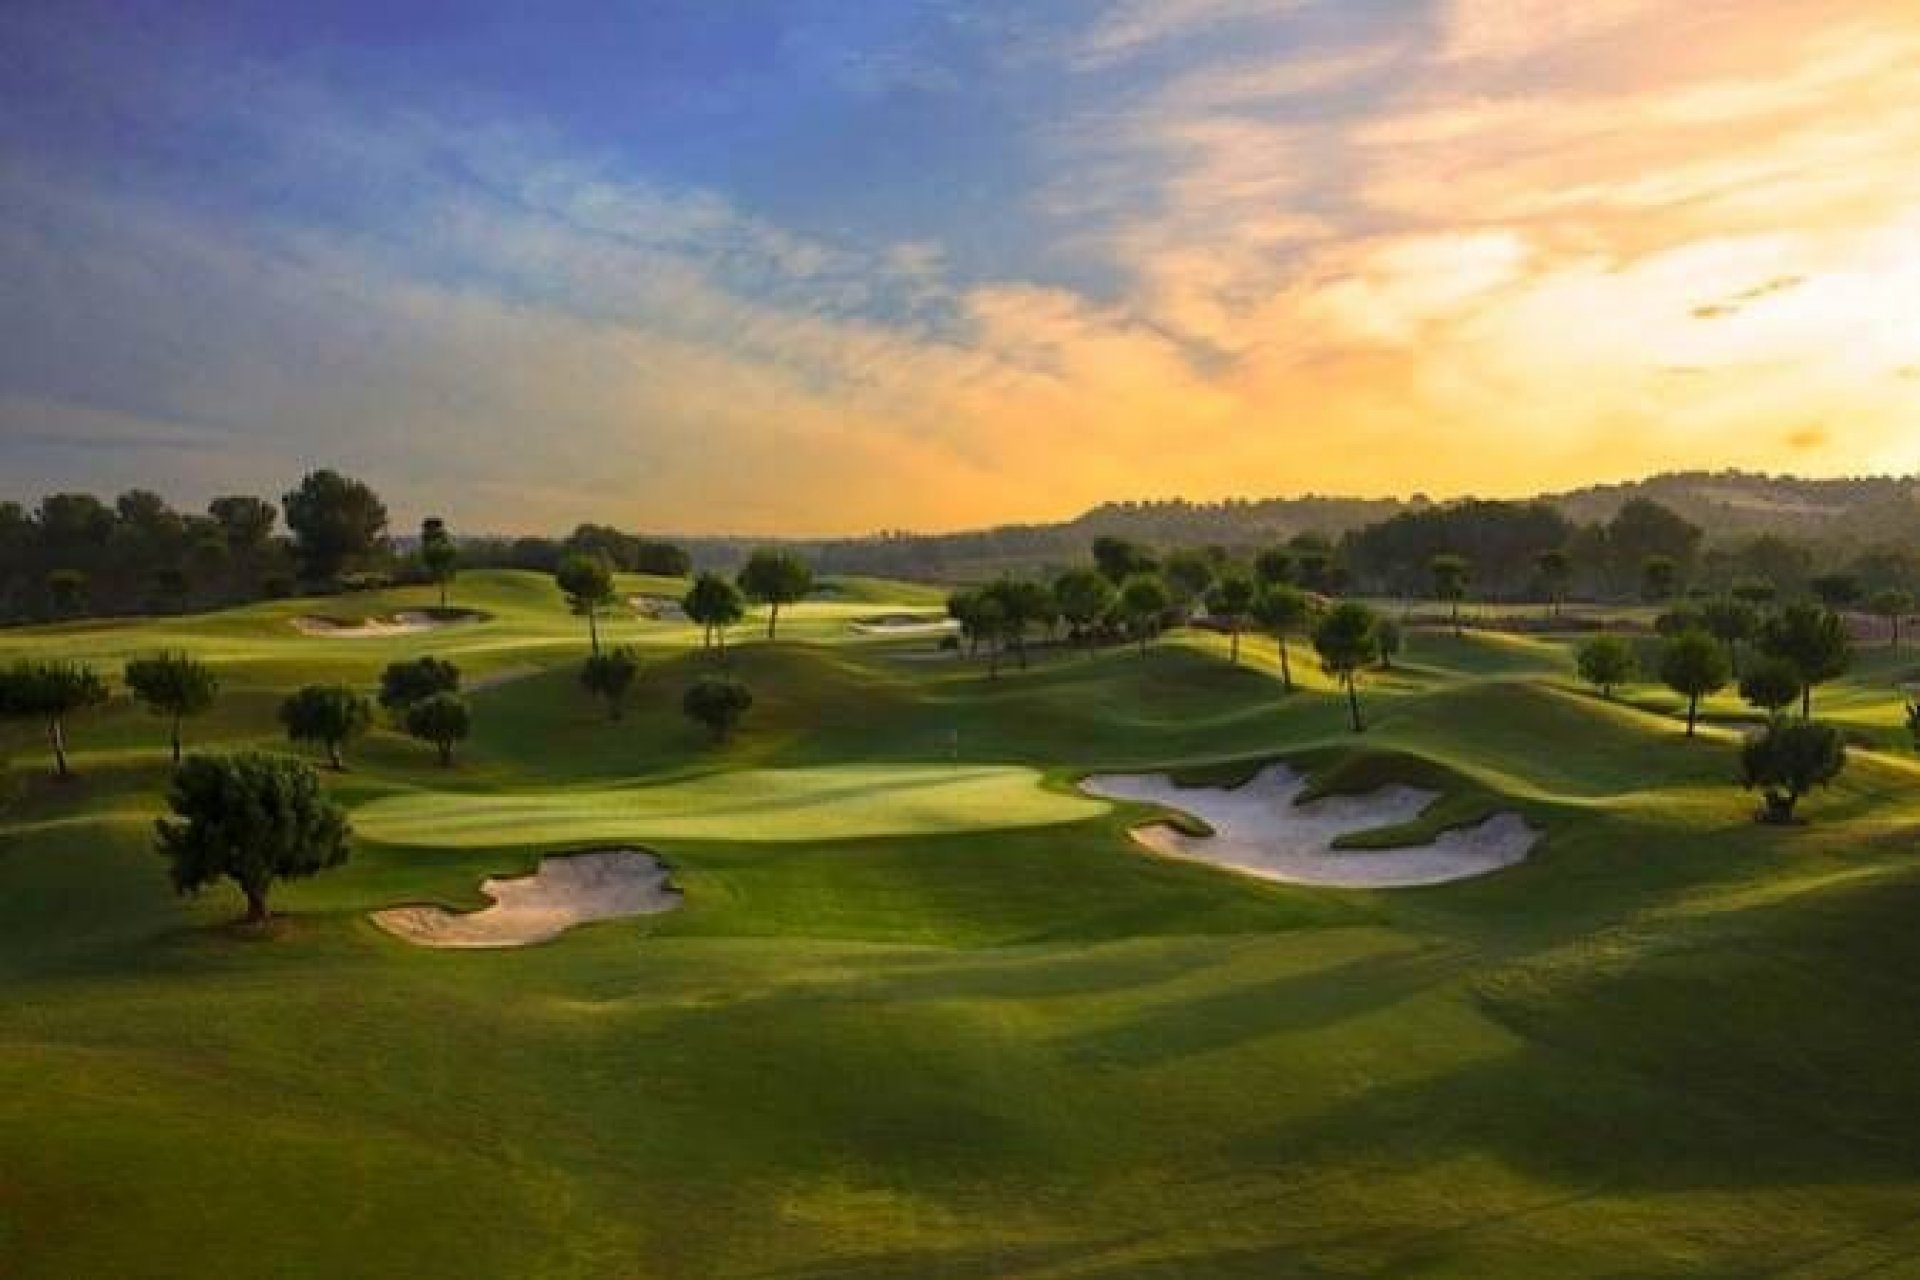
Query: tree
{"type": "Point", "coordinates": [67, 591]}
{"type": "Point", "coordinates": [51, 692]}
{"type": "Point", "coordinates": [1771, 684]}
{"type": "Point", "coordinates": [1021, 605]}
{"type": "Point", "coordinates": [715, 604]}
{"type": "Point", "coordinates": [1913, 722]}
{"type": "Point", "coordinates": [245, 522]}
{"type": "Point", "coordinates": [1730, 621]}
{"type": "Point", "coordinates": [1677, 621]}
{"type": "Point", "coordinates": [1389, 641]}
{"type": "Point", "coordinates": [587, 583]}
{"type": "Point", "coordinates": [1273, 566]}
{"type": "Point", "coordinates": [176, 685]}
{"type": "Point", "coordinates": [1787, 759]}
{"type": "Point", "coordinates": [1280, 610]}
{"type": "Point", "coordinates": [409, 681]}
{"type": "Point", "coordinates": [774, 577]}
{"type": "Point", "coordinates": [1117, 559]}
{"type": "Point", "coordinates": [330, 715]}
{"type": "Point", "coordinates": [1893, 604]}
{"type": "Point", "coordinates": [1085, 598]}
{"type": "Point", "coordinates": [334, 520]}
{"type": "Point", "coordinates": [1144, 601]}
{"type": "Point", "coordinates": [1758, 592]}
{"type": "Point", "coordinates": [438, 554]}
{"type": "Point", "coordinates": [1348, 641]}
{"type": "Point", "coordinates": [1694, 666]}
{"type": "Point", "coordinates": [1188, 574]}
{"type": "Point", "coordinates": [1814, 640]}
{"type": "Point", "coordinates": [1230, 602]}
{"type": "Point", "coordinates": [718, 702]}
{"type": "Point", "coordinates": [442, 719]}
{"type": "Point", "coordinates": [251, 818]}
{"type": "Point", "coordinates": [610, 676]}
{"type": "Point", "coordinates": [1449, 573]}
{"type": "Point", "coordinates": [1659, 578]}
{"type": "Point", "coordinates": [1836, 590]}
{"type": "Point", "coordinates": [1555, 568]}
{"type": "Point", "coordinates": [1642, 529]}
{"type": "Point", "coordinates": [970, 607]}
{"type": "Point", "coordinates": [1605, 662]}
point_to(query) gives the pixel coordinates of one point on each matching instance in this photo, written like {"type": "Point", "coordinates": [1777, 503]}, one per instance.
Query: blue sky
{"type": "Point", "coordinates": [817, 265]}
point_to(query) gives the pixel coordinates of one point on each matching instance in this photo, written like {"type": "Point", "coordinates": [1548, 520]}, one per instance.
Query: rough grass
{"type": "Point", "coordinates": [951, 1022]}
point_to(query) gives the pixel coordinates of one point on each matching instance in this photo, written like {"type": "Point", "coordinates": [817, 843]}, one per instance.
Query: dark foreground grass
{"type": "Point", "coordinates": [1672, 1044]}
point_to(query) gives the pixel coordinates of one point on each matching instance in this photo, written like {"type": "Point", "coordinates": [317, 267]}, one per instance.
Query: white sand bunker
{"type": "Point", "coordinates": [405, 623]}
{"type": "Point", "coordinates": [905, 626]}
{"type": "Point", "coordinates": [1260, 830]}
{"type": "Point", "coordinates": [658, 608]}
{"type": "Point", "coordinates": [561, 893]}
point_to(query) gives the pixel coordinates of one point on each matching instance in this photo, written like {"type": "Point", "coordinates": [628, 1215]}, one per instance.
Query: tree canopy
{"type": "Point", "coordinates": [334, 520]}
{"type": "Point", "coordinates": [775, 577]}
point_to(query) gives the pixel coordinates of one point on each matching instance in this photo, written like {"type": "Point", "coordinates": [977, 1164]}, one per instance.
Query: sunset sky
{"type": "Point", "coordinates": [839, 265]}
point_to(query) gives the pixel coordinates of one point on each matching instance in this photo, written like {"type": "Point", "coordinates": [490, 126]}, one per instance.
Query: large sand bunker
{"type": "Point", "coordinates": [563, 892]}
{"type": "Point", "coordinates": [1259, 829]}
{"type": "Point", "coordinates": [905, 626]}
{"type": "Point", "coordinates": [405, 623]}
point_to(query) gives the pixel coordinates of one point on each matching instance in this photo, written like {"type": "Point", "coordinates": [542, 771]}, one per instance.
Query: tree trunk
{"type": "Point", "coordinates": [57, 735]}
{"type": "Point", "coordinates": [257, 912]}
{"type": "Point", "coordinates": [446, 754]}
{"type": "Point", "coordinates": [1020, 647]}
{"type": "Point", "coordinates": [1353, 706]}
{"type": "Point", "coordinates": [1806, 701]}
{"type": "Point", "coordinates": [443, 594]}
{"type": "Point", "coordinates": [176, 741]}
{"type": "Point", "coordinates": [773, 618]}
{"type": "Point", "coordinates": [333, 758]}
{"type": "Point", "coordinates": [593, 628]}
{"type": "Point", "coordinates": [1235, 650]}
{"type": "Point", "coordinates": [1286, 664]}
{"type": "Point", "coordinates": [1457, 633]}
{"type": "Point", "coordinates": [1693, 712]}
{"type": "Point", "coordinates": [1779, 806]}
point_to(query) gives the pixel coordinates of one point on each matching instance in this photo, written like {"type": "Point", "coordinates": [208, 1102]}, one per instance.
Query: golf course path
{"type": "Point", "coordinates": [1260, 829]}
{"type": "Point", "coordinates": [565, 891]}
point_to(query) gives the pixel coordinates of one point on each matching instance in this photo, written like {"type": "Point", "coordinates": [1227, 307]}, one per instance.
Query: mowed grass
{"type": "Point", "coordinates": [928, 1012]}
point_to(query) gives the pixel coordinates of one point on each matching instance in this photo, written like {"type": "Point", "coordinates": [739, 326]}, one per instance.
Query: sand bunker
{"type": "Point", "coordinates": [405, 623]}
{"type": "Point", "coordinates": [905, 626]}
{"type": "Point", "coordinates": [658, 608]}
{"type": "Point", "coordinates": [563, 892]}
{"type": "Point", "coordinates": [1260, 830]}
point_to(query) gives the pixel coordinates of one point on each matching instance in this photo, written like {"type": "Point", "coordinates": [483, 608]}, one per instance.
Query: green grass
{"type": "Point", "coordinates": [928, 1012]}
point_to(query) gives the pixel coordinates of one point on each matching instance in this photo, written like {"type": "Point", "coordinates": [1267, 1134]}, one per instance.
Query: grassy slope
{"type": "Point", "coordinates": [1672, 1045]}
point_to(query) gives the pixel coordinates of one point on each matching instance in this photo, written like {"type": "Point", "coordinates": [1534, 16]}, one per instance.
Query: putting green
{"type": "Point", "coordinates": [835, 802]}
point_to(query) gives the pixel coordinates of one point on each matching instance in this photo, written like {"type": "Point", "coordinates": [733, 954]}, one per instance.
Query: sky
{"type": "Point", "coordinates": [836, 266]}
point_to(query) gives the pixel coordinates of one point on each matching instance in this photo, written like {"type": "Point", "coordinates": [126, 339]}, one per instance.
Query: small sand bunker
{"type": "Point", "coordinates": [658, 608]}
{"type": "Point", "coordinates": [405, 623]}
{"type": "Point", "coordinates": [563, 892]}
{"type": "Point", "coordinates": [1259, 829]}
{"type": "Point", "coordinates": [905, 626]}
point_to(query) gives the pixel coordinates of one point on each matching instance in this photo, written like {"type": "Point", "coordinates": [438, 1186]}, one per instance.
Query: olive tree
{"type": "Point", "coordinates": [51, 692]}
{"type": "Point", "coordinates": [410, 680]}
{"type": "Point", "coordinates": [1606, 662]}
{"type": "Point", "coordinates": [251, 818]}
{"type": "Point", "coordinates": [1348, 641]}
{"type": "Point", "coordinates": [587, 583]}
{"type": "Point", "coordinates": [175, 685]}
{"type": "Point", "coordinates": [774, 578]}
{"type": "Point", "coordinates": [718, 702]}
{"type": "Point", "coordinates": [330, 715]}
{"type": "Point", "coordinates": [609, 676]}
{"type": "Point", "coordinates": [1694, 666]}
{"type": "Point", "coordinates": [442, 719]}
{"type": "Point", "coordinates": [1814, 640]}
{"type": "Point", "coordinates": [1787, 759]}
{"type": "Point", "coordinates": [1731, 621]}
{"type": "Point", "coordinates": [715, 604]}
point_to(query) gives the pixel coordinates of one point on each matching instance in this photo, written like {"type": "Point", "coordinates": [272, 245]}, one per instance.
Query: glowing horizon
{"type": "Point", "coordinates": [945, 265]}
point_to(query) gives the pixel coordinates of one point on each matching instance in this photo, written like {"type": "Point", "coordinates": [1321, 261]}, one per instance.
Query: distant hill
{"type": "Point", "coordinates": [1729, 505]}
